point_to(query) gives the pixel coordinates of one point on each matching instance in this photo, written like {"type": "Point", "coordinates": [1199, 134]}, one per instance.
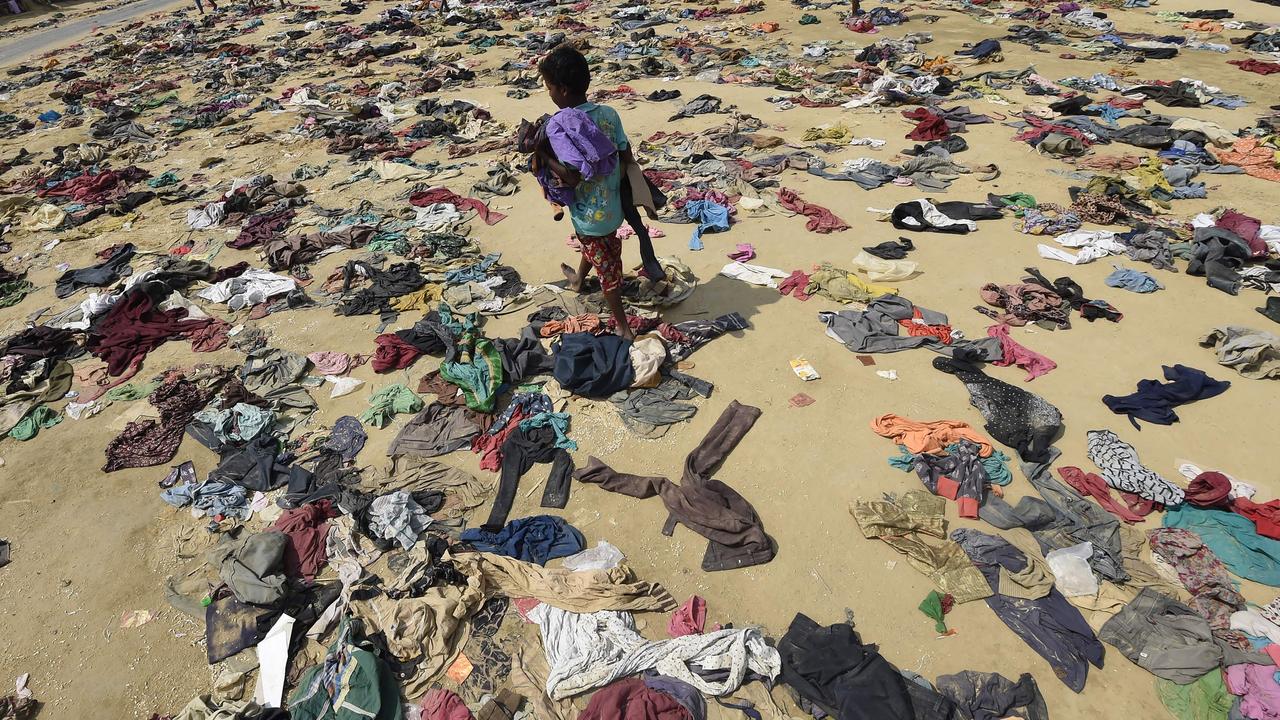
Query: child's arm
{"type": "Point", "coordinates": [568, 176]}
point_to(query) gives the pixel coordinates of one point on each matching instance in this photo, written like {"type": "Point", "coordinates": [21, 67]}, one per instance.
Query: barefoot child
{"type": "Point", "coordinates": [596, 210]}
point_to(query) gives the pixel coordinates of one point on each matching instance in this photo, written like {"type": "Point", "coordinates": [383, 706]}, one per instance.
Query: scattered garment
{"type": "Point", "coordinates": [735, 533]}
{"type": "Point", "coordinates": [1154, 401]}
{"type": "Point", "coordinates": [1164, 637]}
{"type": "Point", "coordinates": [1234, 539]}
{"type": "Point", "coordinates": [586, 651]}
{"type": "Point", "coordinates": [1252, 353]}
{"type": "Point", "coordinates": [915, 526]}
{"type": "Point", "coordinates": [535, 539]}
{"type": "Point", "coordinates": [1050, 626]}
{"type": "Point", "coordinates": [1122, 469]}
{"type": "Point", "coordinates": [1015, 417]}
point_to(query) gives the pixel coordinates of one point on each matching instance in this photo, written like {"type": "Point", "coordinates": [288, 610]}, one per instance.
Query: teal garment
{"type": "Point", "coordinates": [243, 422]}
{"type": "Point", "coordinates": [996, 465]}
{"type": "Point", "coordinates": [559, 422]}
{"type": "Point", "coordinates": [350, 683]}
{"type": "Point", "coordinates": [597, 205]}
{"type": "Point", "coordinates": [1233, 538]}
{"type": "Point", "coordinates": [42, 416]}
{"type": "Point", "coordinates": [388, 402]}
{"type": "Point", "coordinates": [164, 180]}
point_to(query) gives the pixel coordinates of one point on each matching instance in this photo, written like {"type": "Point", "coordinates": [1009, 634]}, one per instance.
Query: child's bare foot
{"type": "Point", "coordinates": [571, 275]}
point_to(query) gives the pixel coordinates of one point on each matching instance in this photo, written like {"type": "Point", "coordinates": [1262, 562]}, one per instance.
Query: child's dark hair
{"type": "Point", "coordinates": [566, 67]}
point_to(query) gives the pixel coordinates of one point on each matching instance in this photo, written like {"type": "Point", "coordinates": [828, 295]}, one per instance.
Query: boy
{"type": "Point", "coordinates": [597, 208]}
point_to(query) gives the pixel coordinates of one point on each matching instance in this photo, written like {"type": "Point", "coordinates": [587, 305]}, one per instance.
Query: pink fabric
{"type": "Point", "coordinates": [1247, 228]}
{"type": "Point", "coordinates": [1273, 652]}
{"type": "Point", "coordinates": [524, 606]}
{"type": "Point", "coordinates": [1258, 690]}
{"type": "Point", "coordinates": [689, 618]}
{"type": "Point", "coordinates": [330, 363]}
{"type": "Point", "coordinates": [1015, 354]}
{"type": "Point", "coordinates": [443, 705]}
{"type": "Point", "coordinates": [743, 253]}
{"type": "Point", "coordinates": [1090, 485]}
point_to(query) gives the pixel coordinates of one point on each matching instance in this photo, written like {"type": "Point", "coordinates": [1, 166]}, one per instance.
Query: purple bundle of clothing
{"type": "Point", "coordinates": [579, 144]}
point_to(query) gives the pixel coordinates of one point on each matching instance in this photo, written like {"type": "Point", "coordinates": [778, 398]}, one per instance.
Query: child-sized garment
{"type": "Point", "coordinates": [605, 255]}
{"type": "Point", "coordinates": [596, 210]}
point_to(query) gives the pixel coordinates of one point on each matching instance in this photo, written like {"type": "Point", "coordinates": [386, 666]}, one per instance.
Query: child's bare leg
{"type": "Point", "coordinates": [576, 279]}
{"type": "Point", "coordinates": [614, 300]}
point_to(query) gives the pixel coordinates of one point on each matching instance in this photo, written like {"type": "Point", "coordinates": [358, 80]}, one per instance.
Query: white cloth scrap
{"type": "Point", "coordinates": [590, 650]}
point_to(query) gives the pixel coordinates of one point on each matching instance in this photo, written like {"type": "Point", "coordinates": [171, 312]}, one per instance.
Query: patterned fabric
{"type": "Point", "coordinates": [1213, 594]}
{"type": "Point", "coordinates": [531, 403]}
{"type": "Point", "coordinates": [1123, 471]}
{"type": "Point", "coordinates": [491, 664]}
{"type": "Point", "coordinates": [1271, 611]}
{"type": "Point", "coordinates": [145, 443]}
{"type": "Point", "coordinates": [605, 255]}
{"type": "Point", "coordinates": [591, 650]}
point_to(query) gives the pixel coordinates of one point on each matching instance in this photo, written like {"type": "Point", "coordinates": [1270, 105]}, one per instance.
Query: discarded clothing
{"type": "Point", "coordinates": [1154, 401]}
{"type": "Point", "coordinates": [1015, 417]}
{"type": "Point", "coordinates": [1234, 539]}
{"type": "Point", "coordinates": [1123, 471]}
{"type": "Point", "coordinates": [1050, 626]}
{"type": "Point", "coordinates": [735, 533]}
{"type": "Point", "coordinates": [915, 526]}
{"type": "Point", "coordinates": [535, 539]}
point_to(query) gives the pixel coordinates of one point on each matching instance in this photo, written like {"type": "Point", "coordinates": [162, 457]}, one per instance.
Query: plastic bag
{"type": "Point", "coordinates": [343, 385]}
{"type": "Point", "coordinates": [601, 557]}
{"type": "Point", "coordinates": [1071, 570]}
{"type": "Point", "coordinates": [880, 270]}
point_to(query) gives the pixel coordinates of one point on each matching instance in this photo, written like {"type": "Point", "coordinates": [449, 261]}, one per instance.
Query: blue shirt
{"type": "Point", "coordinates": [597, 206]}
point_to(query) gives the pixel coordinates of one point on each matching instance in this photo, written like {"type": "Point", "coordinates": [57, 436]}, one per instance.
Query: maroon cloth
{"type": "Point", "coordinates": [233, 271]}
{"type": "Point", "coordinates": [146, 443]}
{"type": "Point", "coordinates": [440, 704]}
{"type": "Point", "coordinates": [393, 353]}
{"type": "Point", "coordinates": [1256, 66]}
{"type": "Point", "coordinates": [821, 220]}
{"type": "Point", "coordinates": [688, 619]}
{"type": "Point", "coordinates": [261, 228]}
{"type": "Point", "coordinates": [929, 125]}
{"type": "Point", "coordinates": [631, 699]}
{"type": "Point", "coordinates": [1265, 516]}
{"type": "Point", "coordinates": [445, 195]}
{"type": "Point", "coordinates": [1090, 485]}
{"type": "Point", "coordinates": [1139, 505]}
{"type": "Point", "coordinates": [99, 189]}
{"type": "Point", "coordinates": [134, 327]}
{"type": "Point", "coordinates": [1247, 228]}
{"type": "Point", "coordinates": [306, 527]}
{"type": "Point", "coordinates": [1209, 490]}
{"type": "Point", "coordinates": [210, 337]}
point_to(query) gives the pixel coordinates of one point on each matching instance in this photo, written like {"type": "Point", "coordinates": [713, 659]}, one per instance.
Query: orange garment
{"type": "Point", "coordinates": [1257, 159]}
{"type": "Point", "coordinates": [768, 26]}
{"type": "Point", "coordinates": [916, 327]}
{"type": "Point", "coordinates": [928, 437]}
{"type": "Point", "coordinates": [1208, 26]}
{"type": "Point", "coordinates": [574, 324]}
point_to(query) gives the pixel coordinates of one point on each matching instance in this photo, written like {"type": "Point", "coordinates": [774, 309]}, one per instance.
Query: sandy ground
{"type": "Point", "coordinates": [89, 546]}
